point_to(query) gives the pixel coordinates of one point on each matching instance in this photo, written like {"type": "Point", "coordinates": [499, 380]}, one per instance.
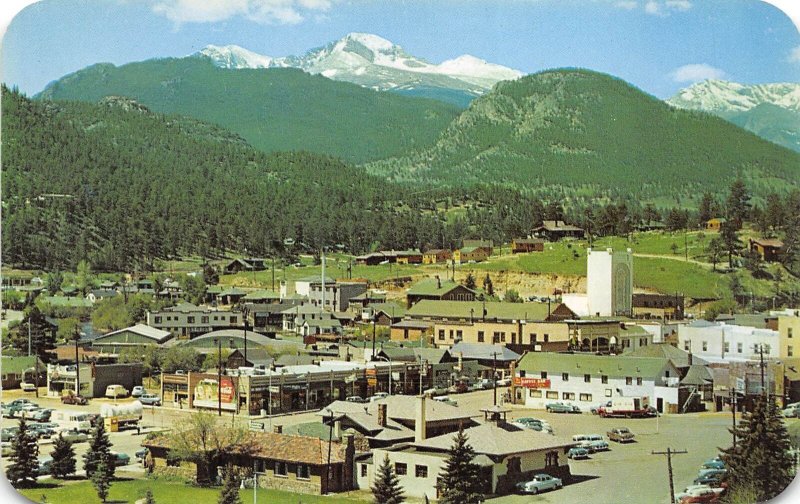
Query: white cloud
{"type": "Point", "coordinates": [260, 11]}
{"type": "Point", "coordinates": [794, 55]}
{"type": "Point", "coordinates": [696, 72]}
{"type": "Point", "coordinates": [626, 4]}
{"type": "Point", "coordinates": [664, 8]}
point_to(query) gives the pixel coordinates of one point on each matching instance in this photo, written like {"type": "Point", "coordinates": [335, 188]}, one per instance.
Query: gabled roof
{"type": "Point", "coordinates": [501, 439]}
{"type": "Point", "coordinates": [256, 356]}
{"type": "Point", "coordinates": [479, 351]}
{"type": "Point", "coordinates": [233, 291]}
{"type": "Point", "coordinates": [323, 323]}
{"type": "Point", "coordinates": [595, 365]}
{"type": "Point", "coordinates": [432, 287]}
{"type": "Point", "coordinates": [157, 335]}
{"type": "Point", "coordinates": [184, 307]}
{"type": "Point", "coordinates": [464, 310]}
{"type": "Point", "coordinates": [768, 242]}
{"type": "Point", "coordinates": [698, 375]}
{"type": "Point", "coordinates": [261, 294]}
{"type": "Point", "coordinates": [678, 356]}
{"type": "Point", "coordinates": [402, 408]}
{"type": "Point", "coordinates": [393, 310]}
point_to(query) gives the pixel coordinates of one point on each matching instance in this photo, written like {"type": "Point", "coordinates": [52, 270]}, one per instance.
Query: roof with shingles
{"type": "Point", "coordinates": [393, 310]}
{"type": "Point", "coordinates": [614, 366]}
{"type": "Point", "coordinates": [480, 351]}
{"type": "Point", "coordinates": [261, 294]}
{"type": "Point", "coordinates": [466, 310]}
{"type": "Point", "coordinates": [666, 351]}
{"type": "Point", "coordinates": [499, 439]}
{"type": "Point", "coordinates": [698, 375]}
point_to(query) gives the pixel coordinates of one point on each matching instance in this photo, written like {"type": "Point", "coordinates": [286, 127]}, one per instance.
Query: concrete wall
{"type": "Point", "coordinates": [609, 283]}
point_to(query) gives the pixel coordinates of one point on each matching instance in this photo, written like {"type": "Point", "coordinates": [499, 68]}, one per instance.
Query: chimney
{"type": "Point", "coordinates": [337, 429]}
{"type": "Point", "coordinates": [278, 429]}
{"type": "Point", "coordinates": [460, 361]}
{"type": "Point", "coordinates": [349, 456]}
{"type": "Point", "coordinates": [420, 426]}
{"type": "Point", "coordinates": [382, 415]}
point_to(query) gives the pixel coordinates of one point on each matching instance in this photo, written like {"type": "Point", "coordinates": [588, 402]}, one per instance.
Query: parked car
{"type": "Point", "coordinates": [8, 433]}
{"type": "Point", "coordinates": [504, 382]}
{"type": "Point", "coordinates": [378, 395]}
{"type": "Point", "coordinates": [141, 454]}
{"type": "Point", "coordinates": [120, 459]}
{"type": "Point", "coordinates": [697, 494]}
{"type": "Point", "coordinates": [42, 430]}
{"type": "Point", "coordinates": [150, 399]}
{"type": "Point", "coordinates": [6, 448]}
{"type": "Point", "coordinates": [559, 407]}
{"type": "Point", "coordinates": [578, 453]}
{"type": "Point", "coordinates": [620, 435]}
{"type": "Point", "coordinates": [596, 409]}
{"type": "Point", "coordinates": [712, 480]}
{"type": "Point", "coordinates": [714, 463]}
{"type": "Point", "coordinates": [791, 412]}
{"type": "Point", "coordinates": [458, 388]}
{"type": "Point", "coordinates": [138, 391]}
{"type": "Point", "coordinates": [76, 399]}
{"type": "Point", "coordinates": [27, 386]}
{"type": "Point", "coordinates": [44, 466]}
{"type": "Point", "coordinates": [114, 391]}
{"type": "Point", "coordinates": [74, 436]}
{"type": "Point", "coordinates": [354, 398]}
{"type": "Point", "coordinates": [597, 446]}
{"type": "Point", "coordinates": [41, 415]}
{"type": "Point", "coordinates": [435, 391]}
{"type": "Point", "coordinates": [539, 483]}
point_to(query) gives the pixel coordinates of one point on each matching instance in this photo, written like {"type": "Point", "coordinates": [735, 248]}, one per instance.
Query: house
{"type": "Point", "coordinates": [296, 464]}
{"type": "Point", "coordinates": [694, 371]}
{"type": "Point", "coordinates": [256, 358]}
{"type": "Point", "coordinates": [371, 259]}
{"type": "Point", "coordinates": [383, 314]}
{"type": "Point", "coordinates": [244, 264]}
{"type": "Point", "coordinates": [554, 230]}
{"type": "Point", "coordinates": [269, 317]}
{"type": "Point", "coordinates": [659, 306]}
{"type": "Point", "coordinates": [436, 256]}
{"type": "Point", "coordinates": [715, 224]}
{"type": "Point", "coordinates": [471, 254]}
{"type": "Point", "coordinates": [294, 317]}
{"type": "Point", "coordinates": [302, 286]}
{"type": "Point", "coordinates": [523, 245]}
{"type": "Point", "coordinates": [631, 337]}
{"type": "Point", "coordinates": [231, 296]}
{"type": "Point", "coordinates": [360, 302]}
{"type": "Point", "coordinates": [586, 380]}
{"type": "Point", "coordinates": [186, 320]}
{"type": "Point", "coordinates": [170, 290]}
{"type": "Point", "coordinates": [788, 334]}
{"type": "Point", "coordinates": [261, 296]}
{"type": "Point", "coordinates": [97, 295]}
{"type": "Point", "coordinates": [408, 257]}
{"type": "Point", "coordinates": [321, 326]}
{"type": "Point", "coordinates": [21, 368]}
{"type": "Point", "coordinates": [505, 453]}
{"type": "Point", "coordinates": [436, 289]}
{"type": "Point", "coordinates": [594, 334]}
{"type": "Point", "coordinates": [769, 250]}
{"type": "Point", "coordinates": [139, 335]}
{"type": "Point", "coordinates": [496, 357]}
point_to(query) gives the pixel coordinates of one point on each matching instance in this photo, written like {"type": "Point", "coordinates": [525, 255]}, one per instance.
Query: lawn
{"type": "Point", "coordinates": [167, 492]}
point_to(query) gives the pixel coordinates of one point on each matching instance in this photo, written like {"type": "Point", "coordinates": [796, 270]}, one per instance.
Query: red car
{"type": "Point", "coordinates": [74, 399]}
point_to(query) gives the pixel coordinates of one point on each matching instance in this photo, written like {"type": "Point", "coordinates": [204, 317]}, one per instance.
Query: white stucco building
{"type": "Point", "coordinates": [609, 282]}
{"type": "Point", "coordinates": [721, 342]}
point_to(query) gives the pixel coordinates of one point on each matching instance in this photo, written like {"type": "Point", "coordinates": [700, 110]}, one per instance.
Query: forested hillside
{"type": "Point", "coordinates": [120, 186]}
{"type": "Point", "coordinates": [273, 109]}
{"type": "Point", "coordinates": [582, 129]}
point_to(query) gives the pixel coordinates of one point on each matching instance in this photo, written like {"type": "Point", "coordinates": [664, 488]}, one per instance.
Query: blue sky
{"type": "Point", "coordinates": [658, 45]}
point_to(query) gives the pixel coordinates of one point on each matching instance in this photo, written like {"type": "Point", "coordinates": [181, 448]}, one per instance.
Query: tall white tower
{"type": "Point", "coordinates": [609, 283]}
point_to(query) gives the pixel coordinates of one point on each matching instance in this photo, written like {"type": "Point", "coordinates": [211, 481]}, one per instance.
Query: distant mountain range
{"type": "Point", "coordinates": [376, 63]}
{"type": "Point", "coordinates": [771, 111]}
{"type": "Point", "coordinates": [581, 128]}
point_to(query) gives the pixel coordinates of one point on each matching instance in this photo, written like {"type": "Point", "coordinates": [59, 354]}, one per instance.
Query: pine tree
{"type": "Point", "coordinates": [760, 462]}
{"type": "Point", "coordinates": [461, 481]}
{"type": "Point", "coordinates": [101, 479]}
{"type": "Point", "coordinates": [63, 458]}
{"type": "Point", "coordinates": [230, 488]}
{"type": "Point", "coordinates": [469, 282]}
{"type": "Point", "coordinates": [730, 240]}
{"type": "Point", "coordinates": [148, 497]}
{"type": "Point", "coordinates": [738, 204]}
{"type": "Point", "coordinates": [488, 286]}
{"type": "Point", "coordinates": [386, 489]}
{"type": "Point", "coordinates": [99, 449]}
{"type": "Point", "coordinates": [24, 454]}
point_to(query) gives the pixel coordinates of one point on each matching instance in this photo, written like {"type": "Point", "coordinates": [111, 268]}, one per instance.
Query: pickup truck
{"type": "Point", "coordinates": [74, 399]}
{"type": "Point", "coordinates": [620, 435]}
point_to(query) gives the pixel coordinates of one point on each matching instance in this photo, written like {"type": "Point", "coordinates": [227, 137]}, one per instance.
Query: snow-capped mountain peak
{"type": "Point", "coordinates": [722, 96]}
{"type": "Point", "coordinates": [372, 61]}
{"type": "Point", "coordinates": [233, 56]}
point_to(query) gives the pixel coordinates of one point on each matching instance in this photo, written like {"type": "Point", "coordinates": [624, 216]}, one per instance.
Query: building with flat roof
{"type": "Point", "coordinates": [186, 320]}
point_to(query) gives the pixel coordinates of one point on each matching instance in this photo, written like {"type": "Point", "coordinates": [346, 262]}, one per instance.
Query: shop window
{"type": "Point", "coordinates": [535, 393]}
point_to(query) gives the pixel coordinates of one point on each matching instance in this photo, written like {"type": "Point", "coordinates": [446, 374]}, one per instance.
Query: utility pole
{"type": "Point", "coordinates": [374, 323]}
{"type": "Point", "coordinates": [760, 350]}
{"type": "Point", "coordinates": [219, 376]}
{"type": "Point", "coordinates": [494, 376]}
{"type": "Point", "coordinates": [77, 365]}
{"type": "Point", "coordinates": [328, 465]}
{"type": "Point", "coordinates": [245, 314]}
{"type": "Point", "coordinates": [733, 415]}
{"type": "Point", "coordinates": [669, 453]}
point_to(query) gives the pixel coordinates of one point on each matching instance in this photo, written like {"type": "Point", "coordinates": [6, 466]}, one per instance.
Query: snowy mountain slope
{"type": "Point", "coordinates": [374, 62]}
{"type": "Point", "coordinates": [722, 96]}
{"type": "Point", "coordinates": [771, 111]}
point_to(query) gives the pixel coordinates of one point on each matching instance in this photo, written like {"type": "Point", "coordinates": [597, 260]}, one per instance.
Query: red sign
{"type": "Point", "coordinates": [226, 390]}
{"type": "Point", "coordinates": [534, 383]}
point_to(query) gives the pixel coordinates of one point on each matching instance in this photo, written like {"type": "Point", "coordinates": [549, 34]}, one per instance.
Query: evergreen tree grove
{"type": "Point", "coordinates": [63, 458]}
{"type": "Point", "coordinates": [386, 489]}
{"type": "Point", "coordinates": [24, 457]}
{"type": "Point", "coordinates": [461, 481]}
{"type": "Point", "coordinates": [760, 463]}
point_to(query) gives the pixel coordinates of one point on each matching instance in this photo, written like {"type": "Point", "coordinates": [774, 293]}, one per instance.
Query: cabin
{"type": "Point", "coordinates": [715, 224]}
{"type": "Point", "coordinates": [436, 256]}
{"type": "Point", "coordinates": [245, 264]}
{"type": "Point", "coordinates": [554, 230]}
{"type": "Point", "coordinates": [436, 289]}
{"type": "Point", "coordinates": [769, 250]}
{"type": "Point", "coordinates": [472, 254]}
{"type": "Point", "coordinates": [523, 245]}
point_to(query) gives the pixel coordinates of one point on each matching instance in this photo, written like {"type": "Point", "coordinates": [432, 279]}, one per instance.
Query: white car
{"type": "Point", "coordinates": [539, 483]}
{"type": "Point", "coordinates": [27, 386]}
{"type": "Point", "coordinates": [697, 491]}
{"type": "Point", "coordinates": [378, 396]}
{"type": "Point", "coordinates": [138, 391]}
{"type": "Point", "coordinates": [114, 391]}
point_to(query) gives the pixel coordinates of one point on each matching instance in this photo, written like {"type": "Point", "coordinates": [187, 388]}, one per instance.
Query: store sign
{"type": "Point", "coordinates": [532, 383]}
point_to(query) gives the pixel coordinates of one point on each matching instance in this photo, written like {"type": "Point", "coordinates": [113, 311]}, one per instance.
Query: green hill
{"type": "Point", "coordinates": [584, 129]}
{"type": "Point", "coordinates": [273, 109]}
